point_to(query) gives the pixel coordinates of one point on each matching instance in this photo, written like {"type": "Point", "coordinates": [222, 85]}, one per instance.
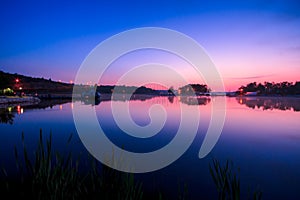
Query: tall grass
{"type": "Point", "coordinates": [48, 175]}
{"type": "Point", "coordinates": [227, 182]}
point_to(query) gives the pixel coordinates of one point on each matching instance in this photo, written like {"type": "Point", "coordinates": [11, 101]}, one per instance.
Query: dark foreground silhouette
{"type": "Point", "coordinates": [47, 174]}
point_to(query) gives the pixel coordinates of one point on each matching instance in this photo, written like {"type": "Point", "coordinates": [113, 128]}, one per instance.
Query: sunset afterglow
{"type": "Point", "coordinates": [247, 41]}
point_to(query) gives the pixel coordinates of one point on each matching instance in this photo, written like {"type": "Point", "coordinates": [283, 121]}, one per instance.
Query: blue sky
{"type": "Point", "coordinates": [247, 40]}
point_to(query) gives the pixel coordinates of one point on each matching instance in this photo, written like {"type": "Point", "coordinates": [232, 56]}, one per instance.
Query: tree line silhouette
{"type": "Point", "coordinates": [271, 88]}
{"type": "Point", "coordinates": [192, 89]}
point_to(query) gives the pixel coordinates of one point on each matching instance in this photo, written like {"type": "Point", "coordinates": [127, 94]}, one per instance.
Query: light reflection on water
{"type": "Point", "coordinates": [260, 135]}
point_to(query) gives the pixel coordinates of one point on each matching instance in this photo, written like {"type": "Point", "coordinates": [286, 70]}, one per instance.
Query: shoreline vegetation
{"type": "Point", "coordinates": [48, 174]}
{"type": "Point", "coordinates": [20, 85]}
{"type": "Point", "coordinates": [9, 111]}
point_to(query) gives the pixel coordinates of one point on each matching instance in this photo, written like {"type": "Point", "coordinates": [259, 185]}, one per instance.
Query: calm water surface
{"type": "Point", "coordinates": [261, 136]}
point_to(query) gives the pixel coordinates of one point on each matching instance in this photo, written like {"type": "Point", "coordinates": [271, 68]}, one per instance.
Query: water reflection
{"type": "Point", "coordinates": [46, 104]}
{"type": "Point", "coordinates": [194, 100]}
{"type": "Point", "coordinates": [8, 112]}
{"type": "Point", "coordinates": [270, 103]}
{"type": "Point", "coordinates": [250, 138]}
{"type": "Point", "coordinates": [20, 110]}
{"type": "Point", "coordinates": [189, 100]}
{"type": "Point", "coordinates": [89, 101]}
{"type": "Point", "coordinates": [6, 115]}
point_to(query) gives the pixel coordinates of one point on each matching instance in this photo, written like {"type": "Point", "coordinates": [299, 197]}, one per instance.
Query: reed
{"type": "Point", "coordinates": [227, 182]}
{"type": "Point", "coordinates": [46, 174]}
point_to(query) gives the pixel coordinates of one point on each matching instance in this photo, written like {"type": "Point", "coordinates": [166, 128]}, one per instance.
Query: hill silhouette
{"type": "Point", "coordinates": [31, 85]}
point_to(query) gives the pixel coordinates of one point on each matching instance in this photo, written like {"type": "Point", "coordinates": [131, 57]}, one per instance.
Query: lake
{"type": "Point", "coordinates": [261, 136]}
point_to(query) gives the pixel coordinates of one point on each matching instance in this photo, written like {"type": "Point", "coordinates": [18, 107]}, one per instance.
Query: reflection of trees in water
{"type": "Point", "coordinates": [171, 99]}
{"type": "Point", "coordinates": [189, 100]}
{"type": "Point", "coordinates": [7, 114]}
{"type": "Point", "coordinates": [125, 97]}
{"type": "Point", "coordinates": [271, 103]}
{"type": "Point", "coordinates": [6, 117]}
{"type": "Point", "coordinates": [117, 97]}
{"type": "Point", "coordinates": [194, 100]}
{"type": "Point", "coordinates": [48, 103]}
{"type": "Point", "coordinates": [90, 101]}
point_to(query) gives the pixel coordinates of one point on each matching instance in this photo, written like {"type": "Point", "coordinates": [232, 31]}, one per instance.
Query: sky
{"type": "Point", "coordinates": [247, 40]}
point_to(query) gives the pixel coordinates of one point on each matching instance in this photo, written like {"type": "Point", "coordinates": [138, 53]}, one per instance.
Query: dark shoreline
{"type": "Point", "coordinates": [17, 100]}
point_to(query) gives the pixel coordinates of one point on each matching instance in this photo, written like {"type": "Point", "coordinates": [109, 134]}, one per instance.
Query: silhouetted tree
{"type": "Point", "coordinates": [171, 91]}
{"type": "Point", "coordinates": [282, 88]}
{"type": "Point", "coordinates": [191, 89]}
